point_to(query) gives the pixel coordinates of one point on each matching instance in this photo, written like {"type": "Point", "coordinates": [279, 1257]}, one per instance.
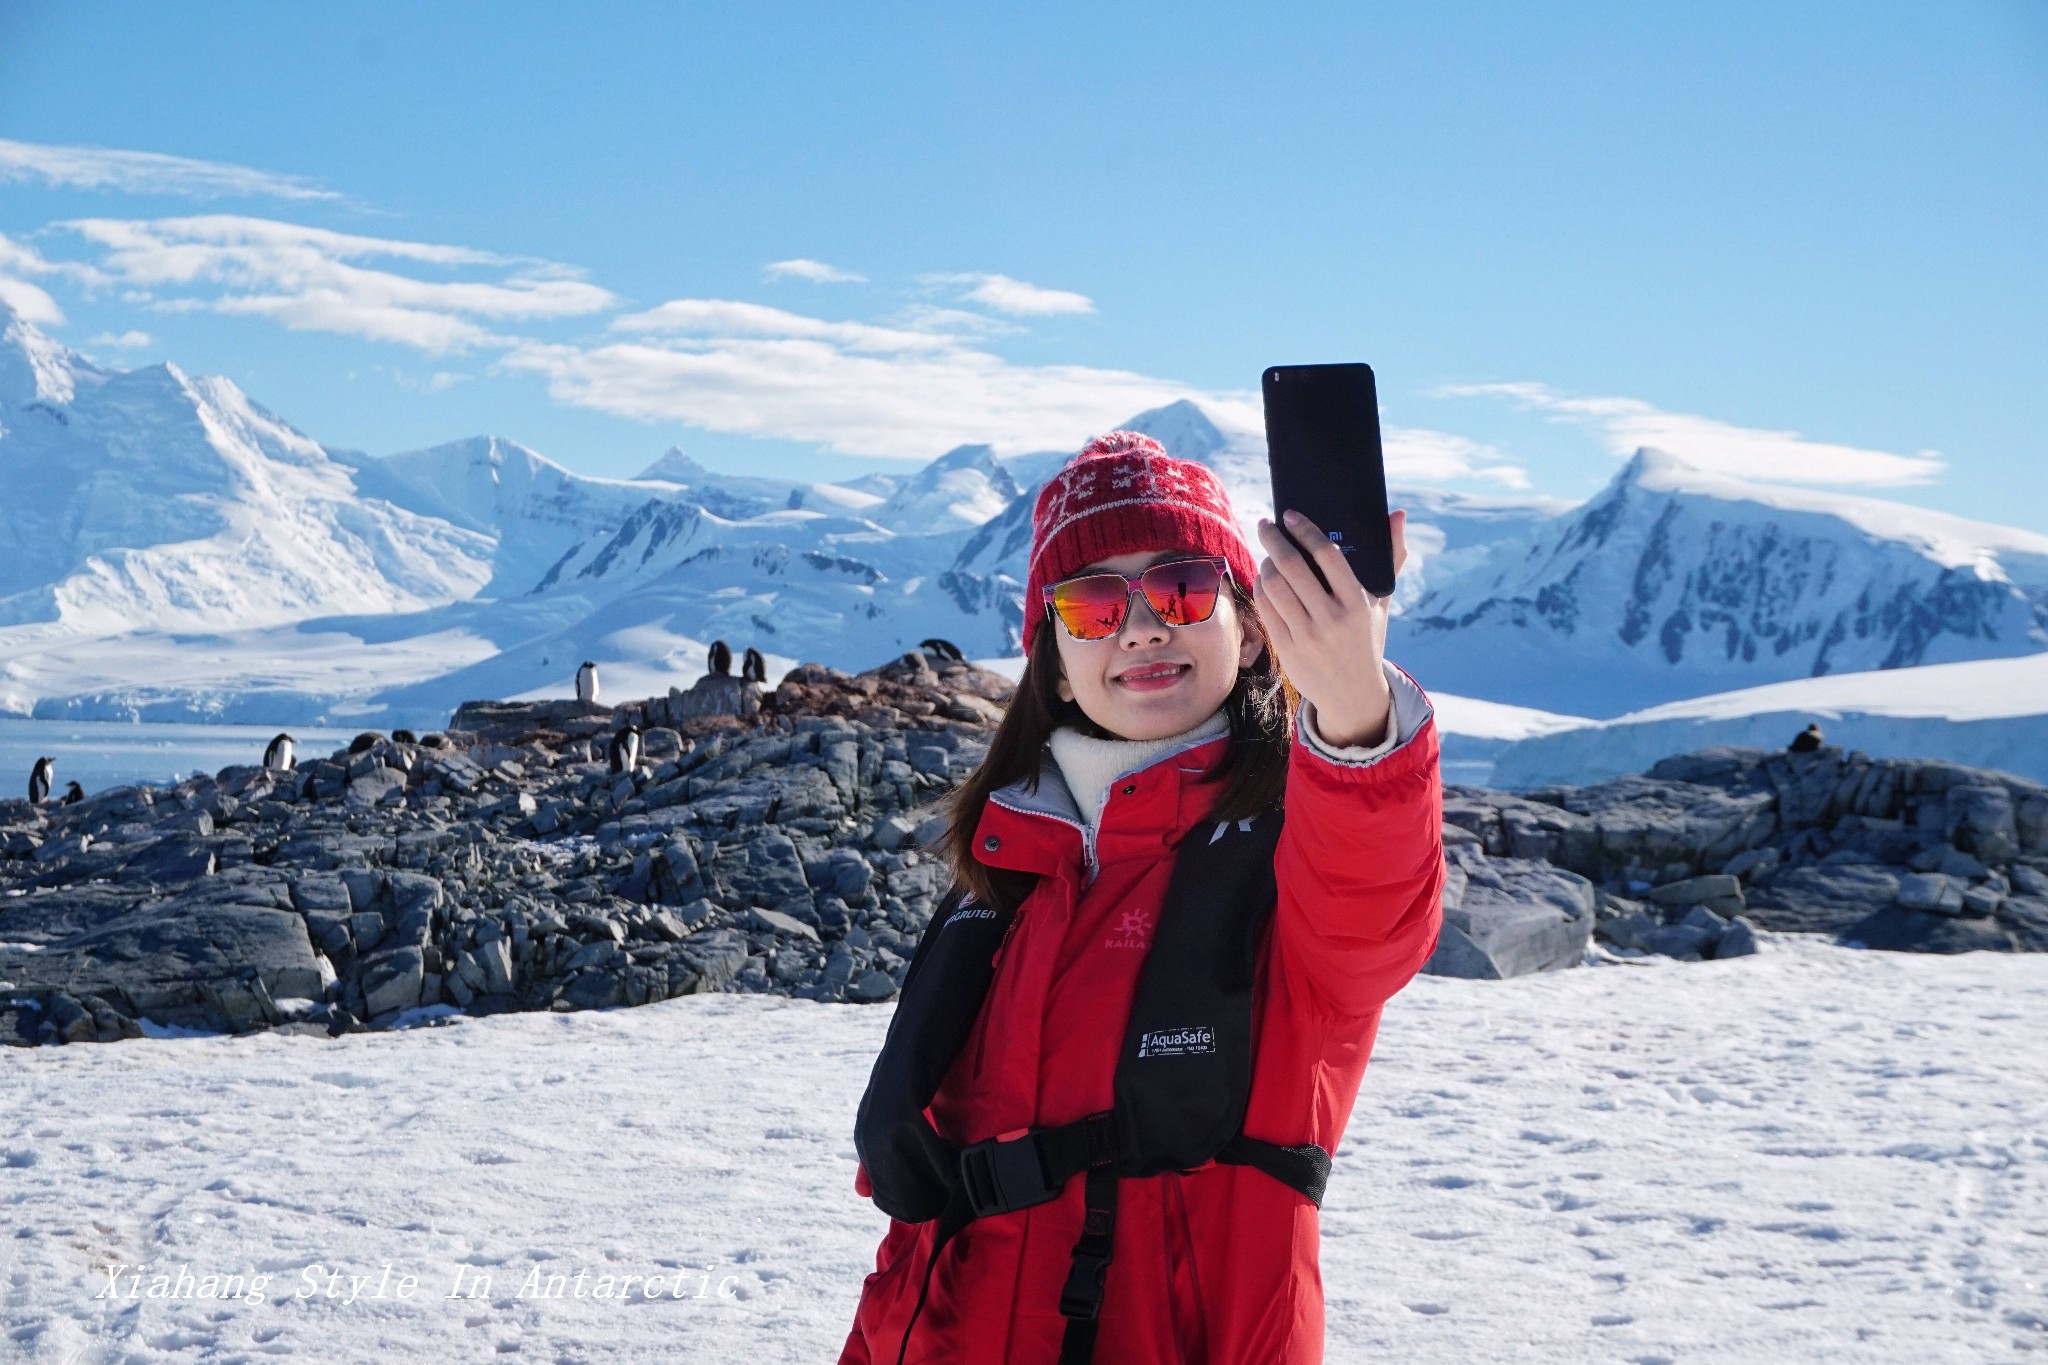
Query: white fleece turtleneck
{"type": "Point", "coordinates": [1089, 765]}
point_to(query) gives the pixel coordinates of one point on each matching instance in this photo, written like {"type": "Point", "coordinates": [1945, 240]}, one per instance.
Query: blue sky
{"type": "Point", "coordinates": [1784, 240]}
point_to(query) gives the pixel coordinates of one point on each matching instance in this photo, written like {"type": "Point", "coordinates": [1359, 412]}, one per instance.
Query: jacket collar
{"type": "Point", "coordinates": [1041, 829]}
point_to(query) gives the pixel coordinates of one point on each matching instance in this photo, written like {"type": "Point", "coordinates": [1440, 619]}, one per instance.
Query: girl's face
{"type": "Point", "coordinates": [1151, 680]}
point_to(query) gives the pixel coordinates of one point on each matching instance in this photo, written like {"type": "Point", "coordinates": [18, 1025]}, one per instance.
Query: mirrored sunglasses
{"type": "Point", "coordinates": [1181, 592]}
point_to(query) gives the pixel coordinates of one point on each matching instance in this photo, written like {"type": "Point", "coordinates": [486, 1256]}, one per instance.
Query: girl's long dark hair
{"type": "Point", "coordinates": [1251, 778]}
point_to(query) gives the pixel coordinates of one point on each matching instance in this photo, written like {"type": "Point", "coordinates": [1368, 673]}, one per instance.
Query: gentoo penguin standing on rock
{"type": "Point", "coordinates": [753, 668]}
{"type": "Point", "coordinates": [624, 750]}
{"type": "Point", "coordinates": [720, 659]}
{"type": "Point", "coordinates": [39, 779]}
{"type": "Point", "coordinates": [73, 794]}
{"type": "Point", "coordinates": [277, 756]}
{"type": "Point", "coordinates": [586, 682]}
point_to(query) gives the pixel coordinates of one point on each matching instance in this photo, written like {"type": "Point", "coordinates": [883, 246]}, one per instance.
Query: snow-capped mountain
{"type": "Point", "coordinates": [1675, 582]}
{"type": "Point", "coordinates": [155, 500]}
{"type": "Point", "coordinates": [168, 548]}
{"type": "Point", "coordinates": [964, 487]}
{"type": "Point", "coordinates": [531, 508]}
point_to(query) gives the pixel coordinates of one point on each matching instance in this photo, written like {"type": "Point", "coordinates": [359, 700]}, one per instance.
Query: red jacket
{"type": "Point", "coordinates": [1218, 1266]}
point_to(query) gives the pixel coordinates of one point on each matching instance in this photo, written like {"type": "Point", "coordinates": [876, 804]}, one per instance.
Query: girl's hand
{"type": "Point", "coordinates": [1331, 644]}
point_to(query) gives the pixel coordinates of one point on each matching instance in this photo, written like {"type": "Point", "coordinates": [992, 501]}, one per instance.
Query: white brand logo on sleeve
{"type": "Point", "coordinates": [1177, 1042]}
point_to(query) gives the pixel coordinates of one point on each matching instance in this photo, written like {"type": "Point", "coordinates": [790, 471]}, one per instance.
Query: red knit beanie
{"type": "Point", "coordinates": [1124, 493]}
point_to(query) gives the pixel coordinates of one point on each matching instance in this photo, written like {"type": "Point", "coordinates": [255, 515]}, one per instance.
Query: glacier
{"type": "Point", "coordinates": [1985, 713]}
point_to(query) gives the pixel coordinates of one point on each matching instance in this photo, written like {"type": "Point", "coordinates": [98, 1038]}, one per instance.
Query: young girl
{"type": "Point", "coordinates": [1156, 717]}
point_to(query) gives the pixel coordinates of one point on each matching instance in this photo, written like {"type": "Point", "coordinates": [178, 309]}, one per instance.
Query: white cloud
{"type": "Point", "coordinates": [1015, 297]}
{"type": "Point", "coordinates": [130, 340]}
{"type": "Point", "coordinates": [31, 301]}
{"type": "Point", "coordinates": [817, 272]}
{"type": "Point", "coordinates": [901, 392]}
{"type": "Point", "coordinates": [19, 261]}
{"type": "Point", "coordinates": [1419, 455]}
{"type": "Point", "coordinates": [313, 279]}
{"type": "Point", "coordinates": [733, 318]}
{"type": "Point", "coordinates": [903, 403]}
{"type": "Point", "coordinates": [147, 173]}
{"type": "Point", "coordinates": [1743, 452]}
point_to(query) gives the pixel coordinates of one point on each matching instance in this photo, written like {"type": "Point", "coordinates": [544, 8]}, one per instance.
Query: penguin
{"type": "Point", "coordinates": [753, 668]}
{"type": "Point", "coordinates": [73, 794]}
{"type": "Point", "coordinates": [1806, 741]}
{"type": "Point", "coordinates": [404, 737]}
{"type": "Point", "coordinates": [720, 660]}
{"type": "Point", "coordinates": [364, 742]}
{"type": "Point", "coordinates": [277, 757]}
{"type": "Point", "coordinates": [586, 682]}
{"type": "Point", "coordinates": [39, 779]}
{"type": "Point", "coordinates": [624, 750]}
{"type": "Point", "coordinates": [942, 651]}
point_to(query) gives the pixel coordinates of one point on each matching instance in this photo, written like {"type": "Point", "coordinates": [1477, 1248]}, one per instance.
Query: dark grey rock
{"type": "Point", "coordinates": [871, 986]}
{"type": "Point", "coordinates": [1931, 891]}
{"type": "Point", "coordinates": [170, 862]}
{"type": "Point", "coordinates": [1896, 929]}
{"type": "Point", "coordinates": [1821, 900]}
{"type": "Point", "coordinates": [161, 950]}
{"type": "Point", "coordinates": [392, 980]}
{"type": "Point", "coordinates": [2027, 918]}
{"type": "Point", "coordinates": [786, 926]}
{"type": "Point", "coordinates": [841, 872]}
{"type": "Point", "coordinates": [1688, 941]}
{"type": "Point", "coordinates": [1739, 939]}
{"type": "Point", "coordinates": [1520, 916]}
{"type": "Point", "coordinates": [1981, 819]}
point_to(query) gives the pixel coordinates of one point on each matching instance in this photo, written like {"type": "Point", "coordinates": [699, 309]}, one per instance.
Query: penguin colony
{"type": "Point", "coordinates": [623, 753]}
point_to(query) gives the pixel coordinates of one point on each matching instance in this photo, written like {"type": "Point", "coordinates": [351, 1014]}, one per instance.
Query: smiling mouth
{"type": "Point", "coordinates": [1152, 676]}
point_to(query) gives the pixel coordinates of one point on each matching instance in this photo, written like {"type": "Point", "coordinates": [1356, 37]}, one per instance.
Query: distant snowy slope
{"type": "Point", "coordinates": [964, 487]}
{"type": "Point", "coordinates": [1989, 713]}
{"type": "Point", "coordinates": [532, 507]}
{"type": "Point", "coordinates": [154, 499]}
{"type": "Point", "coordinates": [1674, 582]}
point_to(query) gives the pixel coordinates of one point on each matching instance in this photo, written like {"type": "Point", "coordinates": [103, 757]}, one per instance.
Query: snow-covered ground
{"type": "Point", "coordinates": [1987, 713]}
{"type": "Point", "coordinates": [1810, 1155]}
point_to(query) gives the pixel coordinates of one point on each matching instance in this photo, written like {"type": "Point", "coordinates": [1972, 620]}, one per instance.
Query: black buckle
{"type": "Point", "coordinates": [1082, 1295]}
{"type": "Point", "coordinates": [1004, 1176]}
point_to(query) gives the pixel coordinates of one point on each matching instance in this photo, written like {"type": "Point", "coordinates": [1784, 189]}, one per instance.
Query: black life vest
{"type": "Point", "coordinates": [1183, 1078]}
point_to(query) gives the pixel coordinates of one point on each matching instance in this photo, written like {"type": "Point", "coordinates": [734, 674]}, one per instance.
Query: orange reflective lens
{"type": "Point", "coordinates": [1181, 592]}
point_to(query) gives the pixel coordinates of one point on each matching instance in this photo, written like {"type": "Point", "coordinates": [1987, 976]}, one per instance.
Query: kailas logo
{"type": "Point", "coordinates": [1133, 930]}
{"type": "Point", "coordinates": [1177, 1042]}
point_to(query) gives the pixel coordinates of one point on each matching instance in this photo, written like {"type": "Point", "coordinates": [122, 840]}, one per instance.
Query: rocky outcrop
{"type": "Point", "coordinates": [1692, 857]}
{"type": "Point", "coordinates": [770, 840]}
{"type": "Point", "coordinates": [776, 840]}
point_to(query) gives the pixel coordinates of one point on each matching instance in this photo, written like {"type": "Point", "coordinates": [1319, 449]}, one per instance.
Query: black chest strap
{"type": "Point", "coordinates": [1183, 1076]}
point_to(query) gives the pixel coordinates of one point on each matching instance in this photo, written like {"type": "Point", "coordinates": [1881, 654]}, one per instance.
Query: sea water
{"type": "Point", "coordinates": [102, 754]}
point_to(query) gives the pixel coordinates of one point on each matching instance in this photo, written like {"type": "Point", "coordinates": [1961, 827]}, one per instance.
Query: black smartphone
{"type": "Point", "coordinates": [1323, 446]}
